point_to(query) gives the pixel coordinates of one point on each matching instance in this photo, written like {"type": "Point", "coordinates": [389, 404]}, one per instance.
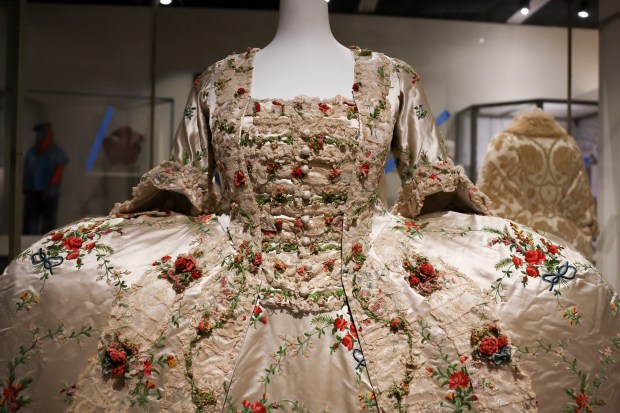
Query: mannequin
{"type": "Point", "coordinates": [304, 58]}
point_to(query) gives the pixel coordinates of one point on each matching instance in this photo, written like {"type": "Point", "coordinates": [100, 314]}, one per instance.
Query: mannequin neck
{"type": "Point", "coordinates": [303, 23]}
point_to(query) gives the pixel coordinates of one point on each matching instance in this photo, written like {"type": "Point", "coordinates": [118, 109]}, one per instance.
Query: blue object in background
{"type": "Point", "coordinates": [92, 156]}
{"type": "Point", "coordinates": [441, 119]}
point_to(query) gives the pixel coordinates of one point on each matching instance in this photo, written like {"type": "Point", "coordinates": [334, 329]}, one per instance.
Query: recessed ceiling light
{"type": "Point", "coordinates": [165, 2]}
{"type": "Point", "coordinates": [525, 7]}
{"type": "Point", "coordinates": [583, 9]}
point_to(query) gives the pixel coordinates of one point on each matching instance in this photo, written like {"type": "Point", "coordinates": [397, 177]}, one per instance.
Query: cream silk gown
{"type": "Point", "coordinates": [292, 290]}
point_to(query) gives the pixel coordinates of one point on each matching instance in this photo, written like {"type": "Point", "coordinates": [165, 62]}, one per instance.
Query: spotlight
{"type": "Point", "coordinates": [165, 2]}
{"type": "Point", "coordinates": [525, 7]}
{"type": "Point", "coordinates": [583, 9]}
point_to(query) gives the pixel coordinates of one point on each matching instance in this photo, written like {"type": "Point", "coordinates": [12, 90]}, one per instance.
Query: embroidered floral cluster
{"type": "Point", "coordinates": [456, 377]}
{"type": "Point", "coordinates": [422, 276]}
{"type": "Point", "coordinates": [181, 273]}
{"type": "Point", "coordinates": [120, 360]}
{"type": "Point", "coordinates": [357, 256]}
{"type": "Point", "coordinates": [491, 345]}
{"type": "Point", "coordinates": [528, 257]}
{"type": "Point", "coordinates": [344, 332]}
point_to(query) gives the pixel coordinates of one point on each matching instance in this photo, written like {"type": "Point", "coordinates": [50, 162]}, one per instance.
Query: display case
{"type": "Point", "coordinates": [105, 138]}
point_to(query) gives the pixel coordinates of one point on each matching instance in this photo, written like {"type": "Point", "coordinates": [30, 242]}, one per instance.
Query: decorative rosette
{"type": "Point", "coordinates": [491, 345]}
{"type": "Point", "coordinates": [422, 276]}
{"type": "Point", "coordinates": [180, 273]}
{"type": "Point", "coordinates": [116, 357]}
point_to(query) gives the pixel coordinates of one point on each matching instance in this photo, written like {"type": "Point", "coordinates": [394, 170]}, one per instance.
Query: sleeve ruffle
{"type": "Point", "coordinates": [439, 186]}
{"type": "Point", "coordinates": [430, 180]}
{"type": "Point", "coordinates": [172, 186]}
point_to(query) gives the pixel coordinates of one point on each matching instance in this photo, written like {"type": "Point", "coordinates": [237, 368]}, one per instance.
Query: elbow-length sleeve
{"type": "Point", "coordinates": [184, 183]}
{"type": "Point", "coordinates": [430, 180]}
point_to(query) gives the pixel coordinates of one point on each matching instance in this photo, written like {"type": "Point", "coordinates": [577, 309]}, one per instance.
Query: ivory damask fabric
{"type": "Point", "coordinates": [292, 289]}
{"type": "Point", "coordinates": [534, 174]}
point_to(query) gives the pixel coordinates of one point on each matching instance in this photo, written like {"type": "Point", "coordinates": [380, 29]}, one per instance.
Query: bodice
{"type": "Point", "coordinates": [299, 177]}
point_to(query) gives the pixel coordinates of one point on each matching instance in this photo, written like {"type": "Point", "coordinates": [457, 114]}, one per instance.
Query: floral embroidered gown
{"type": "Point", "coordinates": [291, 289]}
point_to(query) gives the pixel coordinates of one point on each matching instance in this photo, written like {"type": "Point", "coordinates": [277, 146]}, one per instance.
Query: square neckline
{"type": "Point", "coordinates": [304, 98]}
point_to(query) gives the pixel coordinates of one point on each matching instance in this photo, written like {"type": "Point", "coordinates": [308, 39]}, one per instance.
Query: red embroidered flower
{"type": "Point", "coordinates": [395, 324]}
{"type": "Point", "coordinates": [552, 249]}
{"type": "Point", "coordinates": [430, 369]}
{"type": "Point", "coordinates": [297, 173]}
{"type": "Point", "coordinates": [258, 259]}
{"type": "Point", "coordinates": [413, 281]}
{"type": "Point", "coordinates": [517, 261]}
{"type": "Point", "coordinates": [340, 323]}
{"type": "Point", "coordinates": [118, 371]}
{"type": "Point", "coordinates": [301, 271]}
{"type": "Point", "coordinates": [72, 243]}
{"type": "Point", "coordinates": [271, 167]}
{"type": "Point", "coordinates": [488, 346]}
{"type": "Point", "coordinates": [581, 399]}
{"type": "Point", "coordinates": [364, 169]}
{"type": "Point", "coordinates": [357, 248]}
{"type": "Point", "coordinates": [73, 255]}
{"type": "Point", "coordinates": [184, 264]}
{"type": "Point", "coordinates": [149, 384]}
{"type": "Point", "coordinates": [258, 407]}
{"type": "Point", "coordinates": [239, 178]}
{"type": "Point", "coordinates": [257, 310]}
{"type": "Point", "coordinates": [356, 87]}
{"type": "Point", "coordinates": [89, 246]}
{"type": "Point", "coordinates": [57, 237]}
{"type": "Point", "coordinates": [279, 224]}
{"type": "Point", "coordinates": [240, 91]}
{"type": "Point", "coordinates": [535, 257]}
{"type": "Point", "coordinates": [347, 341]}
{"type": "Point", "coordinates": [148, 368]}
{"type": "Point", "coordinates": [329, 265]}
{"type": "Point", "coordinates": [463, 359]}
{"type": "Point", "coordinates": [203, 326]}
{"type": "Point", "coordinates": [275, 102]}
{"type": "Point", "coordinates": [334, 173]}
{"type": "Point", "coordinates": [426, 269]}
{"type": "Point", "coordinates": [459, 379]}
{"type": "Point", "coordinates": [323, 107]}
{"type": "Point", "coordinates": [415, 78]}
{"type": "Point", "coordinates": [531, 271]}
{"type": "Point", "coordinates": [502, 341]}
{"type": "Point", "coordinates": [196, 274]}
{"type": "Point", "coordinates": [256, 107]}
{"type": "Point", "coordinates": [264, 319]}
{"type": "Point", "coordinates": [166, 258]}
{"type": "Point", "coordinates": [298, 225]}
{"type": "Point", "coordinates": [353, 331]}
{"type": "Point", "coordinates": [117, 356]}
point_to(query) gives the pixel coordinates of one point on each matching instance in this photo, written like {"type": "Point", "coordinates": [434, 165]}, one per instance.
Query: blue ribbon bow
{"type": "Point", "coordinates": [359, 357]}
{"type": "Point", "coordinates": [554, 279]}
{"type": "Point", "coordinates": [502, 356]}
{"type": "Point", "coordinates": [48, 262]}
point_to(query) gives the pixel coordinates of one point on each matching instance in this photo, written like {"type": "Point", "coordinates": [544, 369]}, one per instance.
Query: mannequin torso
{"type": "Point", "coordinates": [304, 58]}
